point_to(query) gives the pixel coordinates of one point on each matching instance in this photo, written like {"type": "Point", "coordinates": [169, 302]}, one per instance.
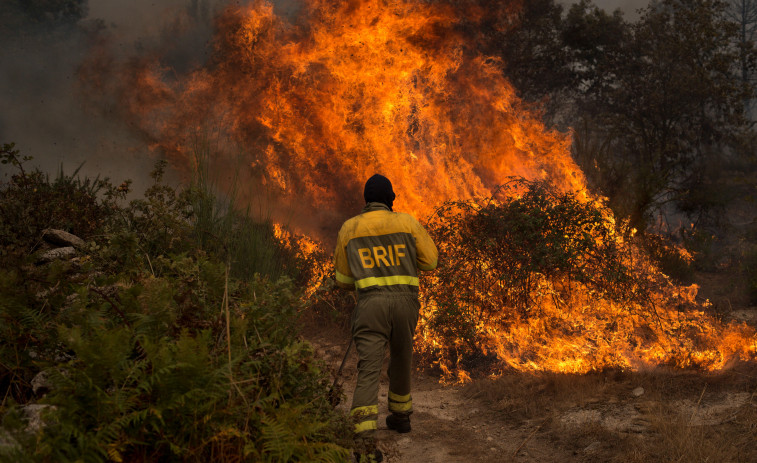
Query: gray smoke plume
{"type": "Point", "coordinates": [628, 7]}
{"type": "Point", "coordinates": [43, 109]}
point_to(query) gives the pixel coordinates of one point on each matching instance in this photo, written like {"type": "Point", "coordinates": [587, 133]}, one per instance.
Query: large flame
{"type": "Point", "coordinates": [359, 87]}
{"type": "Point", "coordinates": [355, 88]}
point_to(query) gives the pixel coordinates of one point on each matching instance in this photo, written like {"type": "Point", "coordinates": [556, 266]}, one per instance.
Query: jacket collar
{"type": "Point", "coordinates": [370, 207]}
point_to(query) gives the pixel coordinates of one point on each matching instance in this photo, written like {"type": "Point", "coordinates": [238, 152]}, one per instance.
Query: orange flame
{"type": "Point", "coordinates": [362, 87]}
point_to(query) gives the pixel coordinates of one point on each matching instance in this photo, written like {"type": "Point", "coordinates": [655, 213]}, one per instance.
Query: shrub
{"type": "Point", "coordinates": [673, 261]}
{"type": "Point", "coordinates": [145, 392]}
{"type": "Point", "coordinates": [31, 202]}
{"type": "Point", "coordinates": [155, 351]}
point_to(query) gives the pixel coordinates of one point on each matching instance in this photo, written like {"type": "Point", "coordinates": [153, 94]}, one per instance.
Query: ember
{"type": "Point", "coordinates": [369, 86]}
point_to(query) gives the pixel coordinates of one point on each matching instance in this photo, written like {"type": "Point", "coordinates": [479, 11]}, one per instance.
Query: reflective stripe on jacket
{"type": "Point", "coordinates": [381, 250]}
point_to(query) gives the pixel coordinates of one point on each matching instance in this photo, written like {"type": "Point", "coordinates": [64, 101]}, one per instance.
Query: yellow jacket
{"type": "Point", "coordinates": [381, 250]}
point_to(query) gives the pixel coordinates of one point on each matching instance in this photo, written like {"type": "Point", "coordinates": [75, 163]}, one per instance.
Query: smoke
{"type": "Point", "coordinates": [44, 108]}
{"type": "Point", "coordinates": [628, 7]}
{"type": "Point", "coordinates": [44, 117]}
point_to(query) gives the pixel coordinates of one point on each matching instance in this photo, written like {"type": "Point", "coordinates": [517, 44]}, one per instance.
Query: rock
{"type": "Point", "coordinates": [638, 427]}
{"type": "Point", "coordinates": [41, 384]}
{"type": "Point", "coordinates": [404, 441]}
{"type": "Point", "coordinates": [638, 392]}
{"type": "Point", "coordinates": [594, 447]}
{"type": "Point", "coordinates": [62, 238]}
{"type": "Point", "coordinates": [44, 293]}
{"type": "Point", "coordinates": [55, 254]}
{"type": "Point", "coordinates": [34, 414]}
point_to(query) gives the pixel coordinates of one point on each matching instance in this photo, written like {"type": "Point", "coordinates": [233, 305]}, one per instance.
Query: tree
{"type": "Point", "coordinates": [657, 103]}
{"type": "Point", "coordinates": [533, 55]}
{"type": "Point", "coordinates": [744, 14]}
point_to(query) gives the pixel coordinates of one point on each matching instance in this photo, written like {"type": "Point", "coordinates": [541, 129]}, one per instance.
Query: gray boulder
{"type": "Point", "coordinates": [55, 254]}
{"type": "Point", "coordinates": [41, 383]}
{"type": "Point", "coordinates": [62, 238]}
{"type": "Point", "coordinates": [34, 414]}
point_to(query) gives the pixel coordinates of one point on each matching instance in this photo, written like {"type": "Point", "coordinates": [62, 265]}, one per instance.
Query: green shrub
{"type": "Point", "coordinates": [141, 392]}
{"type": "Point", "coordinates": [31, 202]}
{"type": "Point", "coordinates": [221, 226]}
{"type": "Point", "coordinates": [155, 351]}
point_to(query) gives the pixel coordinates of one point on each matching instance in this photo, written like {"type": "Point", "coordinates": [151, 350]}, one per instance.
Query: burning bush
{"type": "Point", "coordinates": [535, 279]}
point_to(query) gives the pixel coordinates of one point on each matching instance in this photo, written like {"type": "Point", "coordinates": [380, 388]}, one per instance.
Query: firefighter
{"type": "Point", "coordinates": [379, 253]}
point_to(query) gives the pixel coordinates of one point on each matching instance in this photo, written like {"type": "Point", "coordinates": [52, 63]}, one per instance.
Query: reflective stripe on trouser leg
{"type": "Point", "coordinates": [370, 330]}
{"type": "Point", "coordinates": [365, 418]}
{"type": "Point", "coordinates": [404, 319]}
{"type": "Point", "coordinates": [400, 403]}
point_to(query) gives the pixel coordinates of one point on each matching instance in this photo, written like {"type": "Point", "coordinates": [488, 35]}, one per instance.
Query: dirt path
{"type": "Point", "coordinates": [447, 425]}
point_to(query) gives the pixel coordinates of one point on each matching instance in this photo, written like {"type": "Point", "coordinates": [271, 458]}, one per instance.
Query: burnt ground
{"type": "Point", "coordinates": [613, 416]}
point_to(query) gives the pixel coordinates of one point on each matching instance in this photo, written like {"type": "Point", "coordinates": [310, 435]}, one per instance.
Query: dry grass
{"type": "Point", "coordinates": [526, 396]}
{"type": "Point", "coordinates": [680, 417]}
{"type": "Point", "coordinates": [675, 439]}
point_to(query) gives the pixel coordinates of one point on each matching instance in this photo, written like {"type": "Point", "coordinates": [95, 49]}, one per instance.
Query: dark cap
{"type": "Point", "coordinates": [378, 189]}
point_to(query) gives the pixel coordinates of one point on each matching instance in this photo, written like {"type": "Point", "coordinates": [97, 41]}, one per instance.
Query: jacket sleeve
{"type": "Point", "coordinates": [344, 277]}
{"type": "Point", "coordinates": [427, 254]}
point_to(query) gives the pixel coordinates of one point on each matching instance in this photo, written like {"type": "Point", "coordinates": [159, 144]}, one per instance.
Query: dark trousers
{"type": "Point", "coordinates": [378, 320]}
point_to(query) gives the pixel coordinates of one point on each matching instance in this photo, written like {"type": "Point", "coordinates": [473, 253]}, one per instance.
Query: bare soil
{"type": "Point", "coordinates": [448, 423]}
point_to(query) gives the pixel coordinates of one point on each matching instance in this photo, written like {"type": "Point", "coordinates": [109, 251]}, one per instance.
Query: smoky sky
{"type": "Point", "coordinates": [628, 7]}
{"type": "Point", "coordinates": [45, 110]}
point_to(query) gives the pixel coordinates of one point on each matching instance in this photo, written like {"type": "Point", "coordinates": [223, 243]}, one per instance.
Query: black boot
{"type": "Point", "coordinates": [398, 422]}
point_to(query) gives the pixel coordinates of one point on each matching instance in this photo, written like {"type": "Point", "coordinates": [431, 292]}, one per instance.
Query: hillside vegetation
{"type": "Point", "coordinates": [167, 333]}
